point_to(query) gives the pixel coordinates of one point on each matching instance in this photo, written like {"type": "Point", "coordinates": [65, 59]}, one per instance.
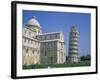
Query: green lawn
{"type": "Point", "coordinates": [80, 64]}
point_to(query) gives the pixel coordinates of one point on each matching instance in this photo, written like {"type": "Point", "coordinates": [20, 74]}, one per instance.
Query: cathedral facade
{"type": "Point", "coordinates": [42, 48]}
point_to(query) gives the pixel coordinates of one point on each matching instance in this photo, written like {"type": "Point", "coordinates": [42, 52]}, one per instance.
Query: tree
{"type": "Point", "coordinates": [84, 58]}
{"type": "Point", "coordinates": [88, 57]}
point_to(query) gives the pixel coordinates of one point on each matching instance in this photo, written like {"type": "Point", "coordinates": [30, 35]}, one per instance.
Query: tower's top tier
{"type": "Point", "coordinates": [74, 29]}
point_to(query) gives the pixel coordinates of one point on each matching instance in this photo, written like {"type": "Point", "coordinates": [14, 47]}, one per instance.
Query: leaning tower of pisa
{"type": "Point", "coordinates": [73, 45]}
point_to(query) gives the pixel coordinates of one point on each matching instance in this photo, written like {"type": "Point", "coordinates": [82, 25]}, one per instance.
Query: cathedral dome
{"type": "Point", "coordinates": [33, 22]}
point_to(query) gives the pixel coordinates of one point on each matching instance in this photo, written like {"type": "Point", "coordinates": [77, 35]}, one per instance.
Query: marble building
{"type": "Point", "coordinates": [42, 48]}
{"type": "Point", "coordinates": [73, 45]}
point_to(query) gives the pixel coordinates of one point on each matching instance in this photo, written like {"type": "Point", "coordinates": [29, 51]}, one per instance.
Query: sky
{"type": "Point", "coordinates": [62, 21]}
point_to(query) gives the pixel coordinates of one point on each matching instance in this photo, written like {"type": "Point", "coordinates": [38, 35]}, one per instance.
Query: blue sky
{"type": "Point", "coordinates": [62, 21]}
